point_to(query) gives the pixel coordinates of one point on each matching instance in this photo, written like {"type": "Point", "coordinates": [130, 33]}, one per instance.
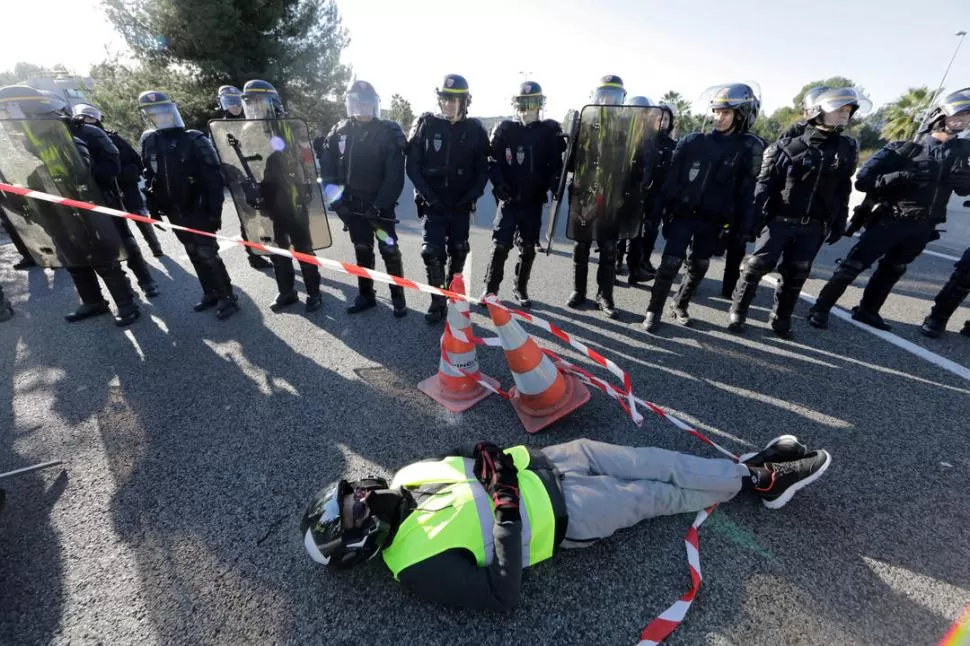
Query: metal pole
{"type": "Point", "coordinates": [10, 474]}
{"type": "Point", "coordinates": [935, 95]}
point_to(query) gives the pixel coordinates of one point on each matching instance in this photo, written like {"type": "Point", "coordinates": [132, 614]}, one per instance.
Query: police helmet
{"type": "Point", "coordinates": [610, 91]}
{"type": "Point", "coordinates": [638, 100]}
{"type": "Point", "coordinates": [741, 98]}
{"type": "Point", "coordinates": [83, 111]}
{"type": "Point", "coordinates": [528, 101]}
{"type": "Point", "coordinates": [363, 100]}
{"type": "Point", "coordinates": [454, 86]}
{"type": "Point", "coordinates": [261, 100]}
{"type": "Point", "coordinates": [159, 111]}
{"type": "Point", "coordinates": [230, 97]}
{"type": "Point", "coordinates": [951, 105]}
{"type": "Point", "coordinates": [23, 102]}
{"type": "Point", "coordinates": [822, 99]}
{"type": "Point", "coordinates": [326, 536]}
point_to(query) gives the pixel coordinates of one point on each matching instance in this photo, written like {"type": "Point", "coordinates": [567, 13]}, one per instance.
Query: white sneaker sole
{"type": "Point", "coordinates": [780, 438]}
{"type": "Point", "coordinates": [783, 499]}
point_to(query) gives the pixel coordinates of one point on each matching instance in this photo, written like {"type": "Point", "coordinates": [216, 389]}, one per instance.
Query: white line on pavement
{"type": "Point", "coordinates": [903, 344]}
{"type": "Point", "coordinates": [941, 255]}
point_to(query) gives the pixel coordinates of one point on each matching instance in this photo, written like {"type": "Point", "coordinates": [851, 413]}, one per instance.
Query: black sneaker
{"type": "Point", "coordinates": [871, 319]}
{"type": "Point", "coordinates": [607, 307]}
{"type": "Point", "coordinates": [932, 328]}
{"type": "Point", "coordinates": [781, 327]}
{"type": "Point", "coordinates": [651, 322]}
{"type": "Point", "coordinates": [400, 306]}
{"type": "Point", "coordinates": [783, 448]}
{"type": "Point", "coordinates": [737, 322]}
{"type": "Point", "coordinates": [788, 477]}
{"type": "Point", "coordinates": [818, 318]}
{"type": "Point", "coordinates": [283, 301]}
{"type": "Point", "coordinates": [208, 302]}
{"type": "Point", "coordinates": [362, 302]}
{"type": "Point", "coordinates": [87, 310]}
{"type": "Point", "coordinates": [313, 303]}
{"type": "Point", "coordinates": [521, 297]}
{"type": "Point", "coordinates": [680, 314]}
{"type": "Point", "coordinates": [227, 307]}
{"type": "Point", "coordinates": [259, 262]}
{"type": "Point", "coordinates": [576, 300]}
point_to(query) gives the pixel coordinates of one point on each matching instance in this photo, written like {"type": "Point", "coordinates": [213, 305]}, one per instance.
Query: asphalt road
{"type": "Point", "coordinates": [192, 447]}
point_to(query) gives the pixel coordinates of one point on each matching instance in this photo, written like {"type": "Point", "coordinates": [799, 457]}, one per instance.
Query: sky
{"type": "Point", "coordinates": [407, 46]}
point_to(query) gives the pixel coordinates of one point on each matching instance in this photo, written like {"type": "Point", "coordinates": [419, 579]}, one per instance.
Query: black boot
{"type": "Point", "coordinates": [365, 299]}
{"type": "Point", "coordinates": [228, 305]}
{"type": "Point", "coordinates": [456, 262]}
{"type": "Point", "coordinates": [877, 291]}
{"type": "Point", "coordinates": [436, 278]}
{"type": "Point", "coordinates": [580, 274]}
{"type": "Point", "coordinates": [120, 289]}
{"type": "Point", "coordinates": [696, 270]}
{"type": "Point", "coordinates": [495, 271]}
{"type": "Point", "coordinates": [87, 310]}
{"type": "Point", "coordinates": [845, 274]}
{"type": "Point", "coordinates": [259, 262]}
{"type": "Point", "coordinates": [138, 266]}
{"type": "Point", "coordinates": [89, 290]}
{"type": "Point", "coordinates": [523, 270]}
{"type": "Point", "coordinates": [208, 301]}
{"type": "Point", "coordinates": [946, 303]}
{"type": "Point", "coordinates": [283, 301]}
{"type": "Point", "coordinates": [311, 281]}
{"type": "Point", "coordinates": [732, 267]}
{"type": "Point", "coordinates": [606, 278]}
{"type": "Point", "coordinates": [669, 266]}
{"type": "Point", "coordinates": [26, 263]}
{"type": "Point", "coordinates": [741, 299]}
{"type": "Point", "coordinates": [793, 277]}
{"type": "Point", "coordinates": [394, 264]}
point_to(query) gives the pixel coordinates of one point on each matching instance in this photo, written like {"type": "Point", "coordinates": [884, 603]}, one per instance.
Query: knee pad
{"type": "Point", "coordinates": [362, 248]}
{"type": "Point", "coordinates": [581, 252]}
{"type": "Point", "coordinates": [796, 270]}
{"type": "Point", "coordinates": [498, 247]}
{"type": "Point", "coordinates": [849, 269]}
{"type": "Point", "coordinates": [388, 251]}
{"type": "Point", "coordinates": [669, 266]}
{"type": "Point", "coordinates": [698, 267]}
{"type": "Point", "coordinates": [459, 248]}
{"type": "Point", "coordinates": [896, 269]}
{"type": "Point", "coordinates": [527, 252]}
{"type": "Point", "coordinates": [757, 266]}
{"type": "Point", "coordinates": [431, 253]}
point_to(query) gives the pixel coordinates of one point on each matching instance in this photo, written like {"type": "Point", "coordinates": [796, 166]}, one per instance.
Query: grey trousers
{"type": "Point", "coordinates": [609, 487]}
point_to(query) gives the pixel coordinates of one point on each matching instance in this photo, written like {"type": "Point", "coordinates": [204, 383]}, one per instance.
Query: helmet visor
{"type": "Point", "coordinates": [832, 100]}
{"type": "Point", "coordinates": [229, 101]}
{"type": "Point", "coordinates": [365, 105]}
{"type": "Point", "coordinates": [609, 95]}
{"type": "Point", "coordinates": [956, 102]}
{"type": "Point", "coordinates": [260, 106]}
{"type": "Point", "coordinates": [162, 116]}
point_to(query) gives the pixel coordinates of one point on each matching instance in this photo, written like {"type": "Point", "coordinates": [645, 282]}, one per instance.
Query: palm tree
{"type": "Point", "coordinates": [903, 115]}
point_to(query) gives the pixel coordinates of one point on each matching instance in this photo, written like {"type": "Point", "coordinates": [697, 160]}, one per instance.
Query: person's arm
{"type": "Point", "coordinates": [327, 156]}
{"type": "Point", "coordinates": [768, 182]}
{"type": "Point", "coordinates": [496, 148]}
{"type": "Point", "coordinates": [744, 199]}
{"type": "Point", "coordinates": [213, 194]}
{"type": "Point", "coordinates": [415, 162]}
{"type": "Point", "coordinates": [843, 195]}
{"type": "Point", "coordinates": [479, 164]}
{"type": "Point", "coordinates": [881, 171]}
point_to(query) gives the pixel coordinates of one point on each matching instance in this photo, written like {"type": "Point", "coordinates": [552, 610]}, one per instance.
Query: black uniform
{"type": "Point", "coordinates": [707, 198]}
{"type": "Point", "coordinates": [367, 159]}
{"type": "Point", "coordinates": [185, 184]}
{"type": "Point", "coordinates": [803, 194]}
{"type": "Point", "coordinates": [112, 170]}
{"type": "Point", "coordinates": [131, 195]}
{"type": "Point", "coordinates": [448, 165]}
{"type": "Point", "coordinates": [525, 163]}
{"type": "Point", "coordinates": [641, 247]}
{"type": "Point", "coordinates": [954, 292]}
{"type": "Point", "coordinates": [911, 184]}
{"type": "Point", "coordinates": [105, 164]}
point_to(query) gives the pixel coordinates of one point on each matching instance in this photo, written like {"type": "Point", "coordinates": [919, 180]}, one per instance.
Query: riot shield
{"type": "Point", "coordinates": [570, 125]}
{"type": "Point", "coordinates": [40, 154]}
{"type": "Point", "coordinates": [272, 178]}
{"type": "Point", "coordinates": [614, 146]}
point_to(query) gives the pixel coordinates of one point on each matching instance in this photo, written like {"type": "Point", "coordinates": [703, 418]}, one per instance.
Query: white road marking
{"type": "Point", "coordinates": [903, 344]}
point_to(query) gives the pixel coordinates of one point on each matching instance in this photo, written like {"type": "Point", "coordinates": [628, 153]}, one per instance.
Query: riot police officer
{"type": "Point", "coordinates": [706, 197]}
{"type": "Point", "coordinates": [231, 107]}
{"type": "Point", "coordinates": [633, 248]}
{"type": "Point", "coordinates": [956, 289]}
{"type": "Point", "coordinates": [447, 161]}
{"type": "Point", "coordinates": [803, 197]}
{"type": "Point", "coordinates": [88, 246]}
{"type": "Point", "coordinates": [284, 195]}
{"type": "Point", "coordinates": [525, 163]}
{"type": "Point", "coordinates": [362, 168]}
{"type": "Point", "coordinates": [609, 91]}
{"type": "Point", "coordinates": [121, 189]}
{"type": "Point", "coordinates": [184, 181]}
{"type": "Point", "coordinates": [911, 183]}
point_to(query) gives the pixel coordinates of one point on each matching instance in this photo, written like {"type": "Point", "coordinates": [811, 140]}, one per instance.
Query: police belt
{"type": "Point", "coordinates": [805, 220]}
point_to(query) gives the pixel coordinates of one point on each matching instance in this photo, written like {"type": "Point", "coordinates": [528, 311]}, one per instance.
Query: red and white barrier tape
{"type": "Point", "coordinates": [658, 629]}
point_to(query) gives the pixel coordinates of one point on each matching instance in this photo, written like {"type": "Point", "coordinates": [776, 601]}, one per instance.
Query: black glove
{"type": "Point", "coordinates": [373, 214]}
{"type": "Point", "coordinates": [496, 470]}
{"type": "Point", "coordinates": [894, 179]}
{"type": "Point", "coordinates": [503, 192]}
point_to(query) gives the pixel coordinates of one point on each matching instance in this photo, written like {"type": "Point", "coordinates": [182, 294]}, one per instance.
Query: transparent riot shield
{"type": "Point", "coordinates": [612, 153]}
{"type": "Point", "coordinates": [570, 126]}
{"type": "Point", "coordinates": [40, 154]}
{"type": "Point", "coordinates": [272, 177]}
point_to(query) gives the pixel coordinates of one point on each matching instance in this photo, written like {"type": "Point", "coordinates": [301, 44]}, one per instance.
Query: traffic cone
{"type": "Point", "coordinates": [450, 387]}
{"type": "Point", "coordinates": [542, 393]}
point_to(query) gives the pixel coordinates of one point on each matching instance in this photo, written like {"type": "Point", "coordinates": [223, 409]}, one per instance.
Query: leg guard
{"type": "Point", "coordinates": [496, 268]}
{"type": "Point", "coordinates": [880, 285]}
{"type": "Point", "coordinates": [793, 277]}
{"type": "Point", "coordinates": [669, 266]}
{"type": "Point", "coordinates": [696, 270]}
{"type": "Point", "coordinates": [523, 270]}
{"type": "Point", "coordinates": [606, 271]}
{"type": "Point", "coordinates": [954, 292]}
{"type": "Point", "coordinates": [457, 253]}
{"type": "Point", "coordinates": [365, 258]}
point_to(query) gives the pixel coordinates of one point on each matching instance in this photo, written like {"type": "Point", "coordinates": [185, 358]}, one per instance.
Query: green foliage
{"type": "Point", "coordinates": [117, 86]}
{"type": "Point", "coordinates": [21, 71]}
{"type": "Point", "coordinates": [902, 115]}
{"type": "Point", "coordinates": [293, 44]}
{"type": "Point", "coordinates": [401, 112]}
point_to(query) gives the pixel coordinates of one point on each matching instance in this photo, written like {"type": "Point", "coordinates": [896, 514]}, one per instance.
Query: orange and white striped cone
{"type": "Point", "coordinates": [450, 387]}
{"type": "Point", "coordinates": [542, 393]}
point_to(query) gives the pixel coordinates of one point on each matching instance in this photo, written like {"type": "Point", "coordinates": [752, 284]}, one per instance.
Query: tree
{"type": "Point", "coordinates": [902, 115]}
{"type": "Point", "coordinates": [118, 85]}
{"type": "Point", "coordinates": [401, 112]}
{"type": "Point", "coordinates": [686, 122]}
{"type": "Point", "coordinates": [293, 44]}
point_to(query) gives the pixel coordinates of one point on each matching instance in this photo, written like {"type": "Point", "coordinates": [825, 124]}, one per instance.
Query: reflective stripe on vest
{"type": "Point", "coordinates": [460, 515]}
